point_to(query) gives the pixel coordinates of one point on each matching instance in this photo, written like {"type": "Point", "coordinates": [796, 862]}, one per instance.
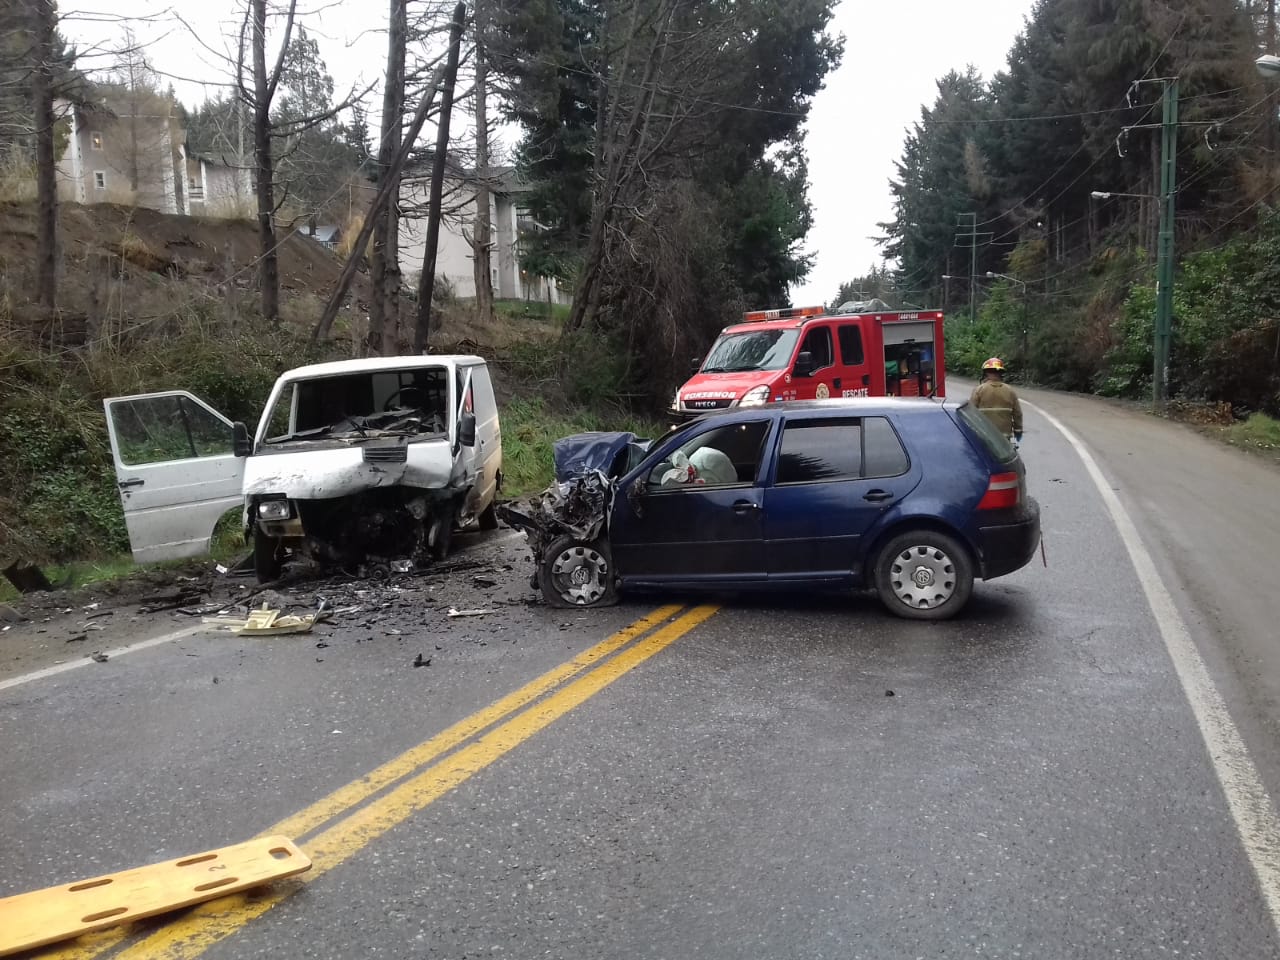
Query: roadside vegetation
{"type": "Point", "coordinates": [1032, 191]}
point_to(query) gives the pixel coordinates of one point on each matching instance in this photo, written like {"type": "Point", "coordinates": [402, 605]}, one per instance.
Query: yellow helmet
{"type": "Point", "coordinates": [995, 363]}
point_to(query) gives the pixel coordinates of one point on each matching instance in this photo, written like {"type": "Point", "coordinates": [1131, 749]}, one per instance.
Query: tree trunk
{"type": "Point", "coordinates": [45, 17]}
{"type": "Point", "coordinates": [483, 229]}
{"type": "Point", "coordinates": [1271, 93]}
{"type": "Point", "coordinates": [384, 264]}
{"type": "Point", "coordinates": [427, 280]}
{"type": "Point", "coordinates": [268, 267]}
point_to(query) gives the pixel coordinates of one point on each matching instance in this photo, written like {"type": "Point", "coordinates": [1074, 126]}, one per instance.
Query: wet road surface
{"type": "Point", "coordinates": [803, 777]}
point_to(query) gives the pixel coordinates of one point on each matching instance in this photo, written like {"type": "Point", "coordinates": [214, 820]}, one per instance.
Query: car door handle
{"type": "Point", "coordinates": [744, 506]}
{"type": "Point", "coordinates": [135, 482]}
{"type": "Point", "coordinates": [877, 496]}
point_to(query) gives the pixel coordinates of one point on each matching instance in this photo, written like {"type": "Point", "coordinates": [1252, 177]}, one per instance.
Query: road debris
{"type": "Point", "coordinates": [420, 661]}
{"type": "Point", "coordinates": [53, 914]}
{"type": "Point", "coordinates": [468, 613]}
{"type": "Point", "coordinates": [77, 638]}
{"type": "Point", "coordinates": [98, 657]}
{"type": "Point", "coordinates": [267, 622]}
{"type": "Point", "coordinates": [172, 600]}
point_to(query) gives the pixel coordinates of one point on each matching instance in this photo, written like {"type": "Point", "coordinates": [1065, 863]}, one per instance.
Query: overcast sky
{"type": "Point", "coordinates": [895, 51]}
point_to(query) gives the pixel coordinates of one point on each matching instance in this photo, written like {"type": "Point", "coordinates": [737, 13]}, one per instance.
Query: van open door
{"type": "Point", "coordinates": [176, 469]}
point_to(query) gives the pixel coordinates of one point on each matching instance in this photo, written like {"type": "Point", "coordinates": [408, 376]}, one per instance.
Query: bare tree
{"type": "Point", "coordinates": [427, 279]}
{"type": "Point", "coordinates": [384, 264]}
{"type": "Point", "coordinates": [482, 230]}
{"type": "Point", "coordinates": [44, 23]}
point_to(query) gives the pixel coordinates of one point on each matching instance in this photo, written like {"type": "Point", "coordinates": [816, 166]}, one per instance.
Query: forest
{"type": "Point", "coordinates": [1028, 204]}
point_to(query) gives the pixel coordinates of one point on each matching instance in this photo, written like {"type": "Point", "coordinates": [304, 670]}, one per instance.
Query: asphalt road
{"type": "Point", "coordinates": [799, 779]}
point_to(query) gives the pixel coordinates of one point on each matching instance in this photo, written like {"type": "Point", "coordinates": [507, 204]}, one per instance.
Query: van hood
{"type": "Point", "coordinates": [726, 386]}
{"type": "Point", "coordinates": [331, 472]}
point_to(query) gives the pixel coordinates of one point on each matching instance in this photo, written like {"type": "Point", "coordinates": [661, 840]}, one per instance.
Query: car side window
{"type": "Point", "coordinates": [850, 337]}
{"type": "Point", "coordinates": [820, 450]}
{"type": "Point", "coordinates": [162, 429]}
{"type": "Point", "coordinates": [883, 453]}
{"type": "Point", "coordinates": [720, 457]}
{"type": "Point", "coordinates": [817, 343]}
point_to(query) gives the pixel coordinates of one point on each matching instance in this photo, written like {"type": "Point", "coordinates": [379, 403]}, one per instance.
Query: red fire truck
{"type": "Point", "coordinates": [806, 353]}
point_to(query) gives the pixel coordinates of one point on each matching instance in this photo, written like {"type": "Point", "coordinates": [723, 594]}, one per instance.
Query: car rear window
{"type": "Point", "coordinates": [997, 444]}
{"type": "Point", "coordinates": [884, 455]}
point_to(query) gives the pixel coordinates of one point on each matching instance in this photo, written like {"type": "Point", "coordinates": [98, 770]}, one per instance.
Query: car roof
{"type": "Point", "coordinates": [850, 407]}
{"type": "Point", "coordinates": [376, 364]}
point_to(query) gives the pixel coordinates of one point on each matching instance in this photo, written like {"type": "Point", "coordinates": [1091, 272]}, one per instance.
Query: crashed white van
{"type": "Point", "coordinates": [354, 463]}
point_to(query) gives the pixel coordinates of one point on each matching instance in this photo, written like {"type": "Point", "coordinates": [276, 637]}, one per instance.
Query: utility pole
{"type": "Point", "coordinates": [1164, 247]}
{"type": "Point", "coordinates": [972, 236]}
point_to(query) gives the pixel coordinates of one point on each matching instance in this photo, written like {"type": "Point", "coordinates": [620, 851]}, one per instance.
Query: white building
{"type": "Point", "coordinates": [455, 259]}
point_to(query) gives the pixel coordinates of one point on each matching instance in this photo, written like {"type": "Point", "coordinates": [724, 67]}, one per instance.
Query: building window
{"type": "Point", "coordinates": [95, 141]}
{"type": "Point", "coordinates": [99, 180]}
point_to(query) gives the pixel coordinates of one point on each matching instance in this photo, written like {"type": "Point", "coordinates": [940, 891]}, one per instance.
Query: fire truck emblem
{"type": "Point", "coordinates": [823, 391]}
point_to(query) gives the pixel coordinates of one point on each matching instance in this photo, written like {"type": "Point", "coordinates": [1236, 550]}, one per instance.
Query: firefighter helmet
{"type": "Point", "coordinates": [995, 363]}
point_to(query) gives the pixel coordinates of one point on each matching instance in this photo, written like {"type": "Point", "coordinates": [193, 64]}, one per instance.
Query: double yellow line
{"type": "Point", "coordinates": [411, 781]}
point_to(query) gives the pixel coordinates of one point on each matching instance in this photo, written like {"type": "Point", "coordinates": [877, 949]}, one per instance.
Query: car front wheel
{"type": "Point", "coordinates": [924, 575]}
{"type": "Point", "coordinates": [577, 574]}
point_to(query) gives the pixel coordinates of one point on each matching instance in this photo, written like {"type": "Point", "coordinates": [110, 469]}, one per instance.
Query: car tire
{"type": "Point", "coordinates": [440, 536]}
{"type": "Point", "coordinates": [573, 573]}
{"type": "Point", "coordinates": [924, 575]}
{"type": "Point", "coordinates": [266, 560]}
{"type": "Point", "coordinates": [488, 519]}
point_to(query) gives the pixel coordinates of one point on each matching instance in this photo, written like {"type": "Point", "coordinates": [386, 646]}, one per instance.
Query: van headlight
{"type": "Point", "coordinates": [755, 396]}
{"type": "Point", "coordinates": [675, 401]}
{"type": "Point", "coordinates": [273, 510]}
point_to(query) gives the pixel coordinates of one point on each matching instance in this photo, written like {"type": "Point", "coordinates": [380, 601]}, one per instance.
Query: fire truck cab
{"type": "Point", "coordinates": [864, 349]}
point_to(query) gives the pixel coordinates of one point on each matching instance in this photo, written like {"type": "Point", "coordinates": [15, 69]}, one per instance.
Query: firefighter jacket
{"type": "Point", "coordinates": [999, 402]}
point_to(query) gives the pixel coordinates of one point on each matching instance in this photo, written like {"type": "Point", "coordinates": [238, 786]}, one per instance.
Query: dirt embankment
{"type": "Point", "coordinates": [121, 267]}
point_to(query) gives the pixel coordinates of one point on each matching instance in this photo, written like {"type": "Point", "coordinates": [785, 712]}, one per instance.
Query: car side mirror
{"type": "Point", "coordinates": [467, 430]}
{"type": "Point", "coordinates": [241, 442]}
{"type": "Point", "coordinates": [695, 364]}
{"type": "Point", "coordinates": [804, 364]}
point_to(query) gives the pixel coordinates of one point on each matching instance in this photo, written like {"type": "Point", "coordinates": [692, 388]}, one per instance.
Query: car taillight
{"type": "Point", "coordinates": [1003, 492]}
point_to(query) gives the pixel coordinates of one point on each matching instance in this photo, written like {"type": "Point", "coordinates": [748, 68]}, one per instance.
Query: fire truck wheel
{"type": "Point", "coordinates": [577, 574]}
{"type": "Point", "coordinates": [924, 575]}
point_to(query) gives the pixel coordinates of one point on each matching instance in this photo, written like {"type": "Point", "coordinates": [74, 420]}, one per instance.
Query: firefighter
{"type": "Point", "coordinates": [998, 400]}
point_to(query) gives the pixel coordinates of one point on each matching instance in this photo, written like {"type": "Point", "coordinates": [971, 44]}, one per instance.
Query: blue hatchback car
{"type": "Point", "coordinates": [914, 498]}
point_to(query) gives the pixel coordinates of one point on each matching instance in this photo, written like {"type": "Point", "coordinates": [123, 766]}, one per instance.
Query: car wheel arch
{"type": "Point", "coordinates": [906, 524]}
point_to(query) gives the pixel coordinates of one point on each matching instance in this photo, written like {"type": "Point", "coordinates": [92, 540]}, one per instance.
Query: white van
{"type": "Point", "coordinates": [354, 462]}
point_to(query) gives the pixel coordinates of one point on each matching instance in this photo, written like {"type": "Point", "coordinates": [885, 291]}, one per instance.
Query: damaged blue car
{"type": "Point", "coordinates": [914, 499]}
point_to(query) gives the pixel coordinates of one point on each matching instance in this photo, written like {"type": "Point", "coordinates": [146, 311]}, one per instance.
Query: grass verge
{"type": "Point", "coordinates": [531, 427]}
{"type": "Point", "coordinates": [1259, 432]}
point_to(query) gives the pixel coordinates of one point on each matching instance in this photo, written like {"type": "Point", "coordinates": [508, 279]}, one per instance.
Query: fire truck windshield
{"type": "Point", "coordinates": [756, 350]}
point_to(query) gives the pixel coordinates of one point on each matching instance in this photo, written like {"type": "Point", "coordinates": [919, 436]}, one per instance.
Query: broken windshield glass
{"type": "Point", "coordinates": [362, 406]}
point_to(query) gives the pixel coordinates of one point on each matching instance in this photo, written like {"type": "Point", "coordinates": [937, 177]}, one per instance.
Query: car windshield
{"type": "Point", "coordinates": [756, 350]}
{"type": "Point", "coordinates": [362, 406]}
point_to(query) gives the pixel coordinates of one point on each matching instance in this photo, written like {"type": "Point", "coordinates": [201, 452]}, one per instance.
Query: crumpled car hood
{"type": "Point", "coordinates": [610, 453]}
{"type": "Point", "coordinates": [324, 474]}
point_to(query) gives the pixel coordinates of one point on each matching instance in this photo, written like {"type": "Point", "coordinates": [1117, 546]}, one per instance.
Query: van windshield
{"type": "Point", "coordinates": [756, 350]}
{"type": "Point", "coordinates": [363, 406]}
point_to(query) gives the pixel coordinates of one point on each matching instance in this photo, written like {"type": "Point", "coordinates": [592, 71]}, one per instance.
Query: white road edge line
{"type": "Point", "coordinates": [58, 668]}
{"type": "Point", "coordinates": [1247, 798]}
